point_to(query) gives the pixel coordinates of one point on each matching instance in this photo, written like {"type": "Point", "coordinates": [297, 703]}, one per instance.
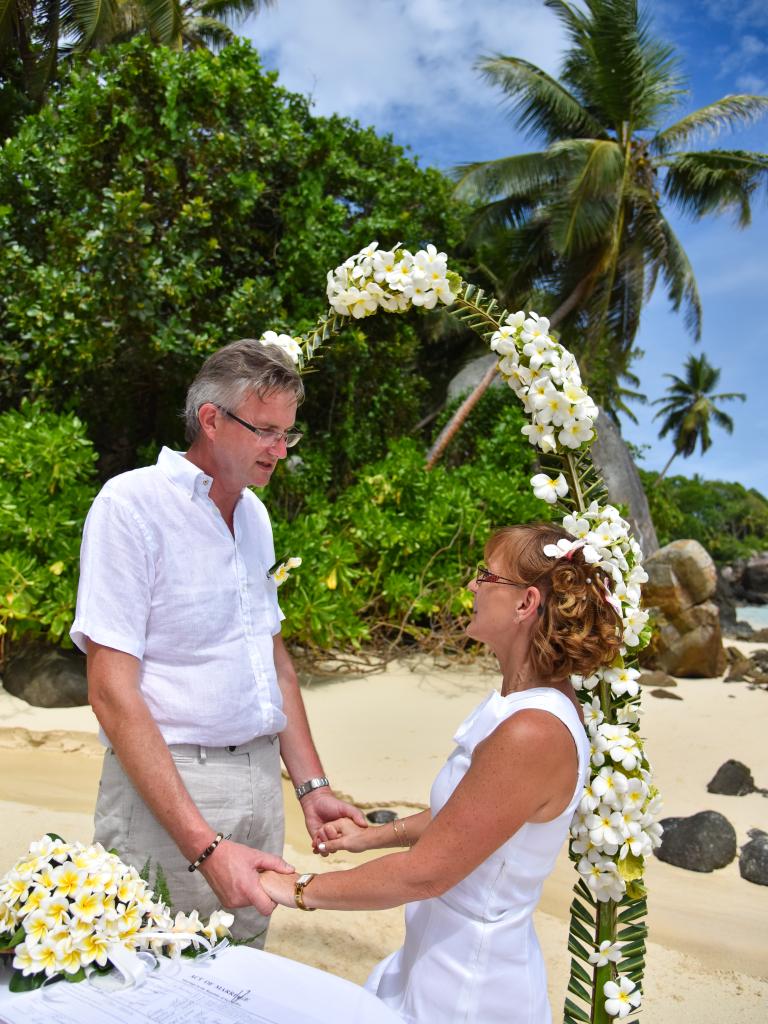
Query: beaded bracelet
{"type": "Point", "coordinates": [208, 850]}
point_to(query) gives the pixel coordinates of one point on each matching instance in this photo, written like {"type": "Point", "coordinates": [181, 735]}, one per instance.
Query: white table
{"type": "Point", "coordinates": [241, 986]}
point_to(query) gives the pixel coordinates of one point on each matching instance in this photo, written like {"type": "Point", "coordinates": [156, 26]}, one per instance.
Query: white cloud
{"type": "Point", "coordinates": [408, 65]}
{"type": "Point", "coordinates": [751, 83]}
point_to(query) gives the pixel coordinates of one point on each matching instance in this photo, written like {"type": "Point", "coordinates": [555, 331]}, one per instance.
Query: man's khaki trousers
{"type": "Point", "coordinates": [237, 790]}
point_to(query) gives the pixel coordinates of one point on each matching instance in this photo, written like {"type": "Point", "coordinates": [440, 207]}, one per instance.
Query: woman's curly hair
{"type": "Point", "coordinates": [578, 630]}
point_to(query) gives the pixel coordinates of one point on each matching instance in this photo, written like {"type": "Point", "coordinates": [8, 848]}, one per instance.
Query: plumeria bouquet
{"type": "Point", "coordinates": [67, 910]}
{"type": "Point", "coordinates": [392, 280]}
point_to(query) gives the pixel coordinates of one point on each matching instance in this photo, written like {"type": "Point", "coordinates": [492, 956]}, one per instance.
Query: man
{"type": "Point", "coordinates": [187, 673]}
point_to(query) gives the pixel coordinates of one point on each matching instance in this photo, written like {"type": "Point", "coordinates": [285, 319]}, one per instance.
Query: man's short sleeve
{"type": "Point", "coordinates": [116, 578]}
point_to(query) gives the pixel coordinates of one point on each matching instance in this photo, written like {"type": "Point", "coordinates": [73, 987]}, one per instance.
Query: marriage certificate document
{"type": "Point", "coordinates": [239, 986]}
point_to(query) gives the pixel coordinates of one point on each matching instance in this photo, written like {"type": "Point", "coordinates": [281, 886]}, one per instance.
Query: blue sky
{"type": "Point", "coordinates": [407, 69]}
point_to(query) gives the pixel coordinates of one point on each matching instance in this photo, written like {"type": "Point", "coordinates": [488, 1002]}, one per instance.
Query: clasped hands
{"type": "Point", "coordinates": [242, 877]}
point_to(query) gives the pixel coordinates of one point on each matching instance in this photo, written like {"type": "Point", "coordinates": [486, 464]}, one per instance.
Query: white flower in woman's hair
{"type": "Point", "coordinates": [621, 999]}
{"type": "Point", "coordinates": [548, 489]}
{"type": "Point", "coordinates": [576, 526]}
{"type": "Point", "coordinates": [606, 952]}
{"type": "Point", "coordinates": [565, 548]}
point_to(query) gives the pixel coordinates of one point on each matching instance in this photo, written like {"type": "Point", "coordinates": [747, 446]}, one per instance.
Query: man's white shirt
{"type": "Point", "coordinates": [163, 579]}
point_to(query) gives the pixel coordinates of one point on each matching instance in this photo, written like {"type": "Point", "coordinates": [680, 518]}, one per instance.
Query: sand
{"type": "Point", "coordinates": [383, 737]}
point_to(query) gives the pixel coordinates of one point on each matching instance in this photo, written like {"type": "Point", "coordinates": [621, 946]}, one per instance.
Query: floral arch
{"type": "Point", "coordinates": [616, 825]}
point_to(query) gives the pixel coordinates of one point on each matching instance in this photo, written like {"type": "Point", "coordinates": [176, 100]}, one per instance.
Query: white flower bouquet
{"type": "Point", "coordinates": [66, 909]}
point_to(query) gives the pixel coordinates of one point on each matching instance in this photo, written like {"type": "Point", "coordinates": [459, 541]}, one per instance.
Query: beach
{"type": "Point", "coordinates": [383, 737]}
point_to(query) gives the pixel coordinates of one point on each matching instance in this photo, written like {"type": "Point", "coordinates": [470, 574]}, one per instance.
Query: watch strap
{"type": "Point", "coordinates": [310, 784]}
{"type": "Point", "coordinates": [298, 890]}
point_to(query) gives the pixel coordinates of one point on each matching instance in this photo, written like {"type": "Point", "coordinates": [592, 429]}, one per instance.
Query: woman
{"type": "Point", "coordinates": [499, 809]}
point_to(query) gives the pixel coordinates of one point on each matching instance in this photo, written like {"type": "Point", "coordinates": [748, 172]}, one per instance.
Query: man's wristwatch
{"type": "Point", "coordinates": [298, 891]}
{"type": "Point", "coordinates": [309, 785]}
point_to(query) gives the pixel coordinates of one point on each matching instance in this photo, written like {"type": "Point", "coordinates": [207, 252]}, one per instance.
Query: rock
{"type": "Point", "coordinates": [688, 643]}
{"type": "Point", "coordinates": [613, 460]}
{"type": "Point", "coordinates": [47, 677]}
{"type": "Point", "coordinates": [380, 817]}
{"type": "Point", "coordinates": [681, 574]}
{"type": "Point", "coordinates": [470, 375]}
{"type": "Point", "coordinates": [681, 581]}
{"type": "Point", "coordinates": [760, 658]}
{"type": "Point", "coordinates": [656, 679]}
{"type": "Point", "coordinates": [732, 779]}
{"type": "Point", "coordinates": [753, 859]}
{"type": "Point", "coordinates": [754, 579]}
{"type": "Point", "coordinates": [732, 654]}
{"type": "Point", "coordinates": [759, 636]}
{"type": "Point", "coordinates": [740, 669]}
{"type": "Point", "coordinates": [703, 842]}
{"type": "Point", "coordinates": [667, 694]}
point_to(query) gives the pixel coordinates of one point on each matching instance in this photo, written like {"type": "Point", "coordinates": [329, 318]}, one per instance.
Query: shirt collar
{"type": "Point", "coordinates": [181, 472]}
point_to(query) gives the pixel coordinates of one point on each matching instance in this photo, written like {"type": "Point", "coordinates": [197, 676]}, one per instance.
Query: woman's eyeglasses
{"type": "Point", "coordinates": [484, 575]}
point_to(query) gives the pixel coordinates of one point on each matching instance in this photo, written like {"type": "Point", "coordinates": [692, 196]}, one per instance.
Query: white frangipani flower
{"type": "Point", "coordinates": [548, 488]}
{"type": "Point", "coordinates": [607, 952]}
{"type": "Point", "coordinates": [622, 998]}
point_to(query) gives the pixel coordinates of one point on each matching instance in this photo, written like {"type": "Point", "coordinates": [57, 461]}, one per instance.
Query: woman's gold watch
{"type": "Point", "coordinates": [301, 883]}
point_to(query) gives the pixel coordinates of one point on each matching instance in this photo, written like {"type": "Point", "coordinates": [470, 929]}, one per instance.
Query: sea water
{"type": "Point", "coordinates": [755, 614]}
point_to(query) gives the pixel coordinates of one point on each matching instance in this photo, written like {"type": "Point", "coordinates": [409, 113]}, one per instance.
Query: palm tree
{"type": "Point", "coordinates": [689, 406]}
{"type": "Point", "coordinates": [580, 224]}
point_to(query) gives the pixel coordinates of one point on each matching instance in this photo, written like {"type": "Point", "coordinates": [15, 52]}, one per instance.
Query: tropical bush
{"type": "Point", "coordinates": [388, 559]}
{"type": "Point", "coordinates": [165, 202]}
{"type": "Point", "coordinates": [728, 519]}
{"type": "Point", "coordinates": [47, 483]}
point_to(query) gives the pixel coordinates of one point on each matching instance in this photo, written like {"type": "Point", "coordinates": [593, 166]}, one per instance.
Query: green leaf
{"type": "Point", "coordinates": [574, 1012]}
{"type": "Point", "coordinates": [28, 983]}
{"type": "Point", "coordinates": [578, 989]}
{"type": "Point", "coordinates": [577, 971]}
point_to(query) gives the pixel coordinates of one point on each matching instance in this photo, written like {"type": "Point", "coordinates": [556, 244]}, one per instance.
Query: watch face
{"type": "Point", "coordinates": [303, 879]}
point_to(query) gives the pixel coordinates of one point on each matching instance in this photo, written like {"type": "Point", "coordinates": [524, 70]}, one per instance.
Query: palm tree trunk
{"type": "Point", "coordinates": [662, 474]}
{"type": "Point", "coordinates": [458, 419]}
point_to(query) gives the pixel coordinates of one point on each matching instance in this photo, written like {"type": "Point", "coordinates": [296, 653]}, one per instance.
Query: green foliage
{"type": "Point", "coordinates": [729, 520]}
{"type": "Point", "coordinates": [47, 482]}
{"type": "Point", "coordinates": [389, 558]}
{"type": "Point", "coordinates": [164, 203]}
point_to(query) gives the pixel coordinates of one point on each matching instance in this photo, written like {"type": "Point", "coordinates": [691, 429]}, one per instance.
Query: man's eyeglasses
{"type": "Point", "coordinates": [268, 436]}
{"type": "Point", "coordinates": [484, 575]}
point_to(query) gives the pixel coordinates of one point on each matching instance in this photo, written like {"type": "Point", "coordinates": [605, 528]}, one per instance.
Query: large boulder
{"type": "Point", "coordinates": [704, 842]}
{"type": "Point", "coordinates": [681, 582]}
{"type": "Point", "coordinates": [613, 460]}
{"type": "Point", "coordinates": [470, 375]}
{"type": "Point", "coordinates": [748, 579]}
{"type": "Point", "coordinates": [732, 778]}
{"type": "Point", "coordinates": [753, 860]}
{"type": "Point", "coordinates": [47, 677]}
{"type": "Point", "coordinates": [754, 579]}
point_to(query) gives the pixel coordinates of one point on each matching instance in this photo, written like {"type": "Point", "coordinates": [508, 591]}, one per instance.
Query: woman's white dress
{"type": "Point", "coordinates": [472, 954]}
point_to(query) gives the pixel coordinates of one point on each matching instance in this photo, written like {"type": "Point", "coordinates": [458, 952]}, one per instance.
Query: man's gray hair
{"type": "Point", "coordinates": [236, 370]}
